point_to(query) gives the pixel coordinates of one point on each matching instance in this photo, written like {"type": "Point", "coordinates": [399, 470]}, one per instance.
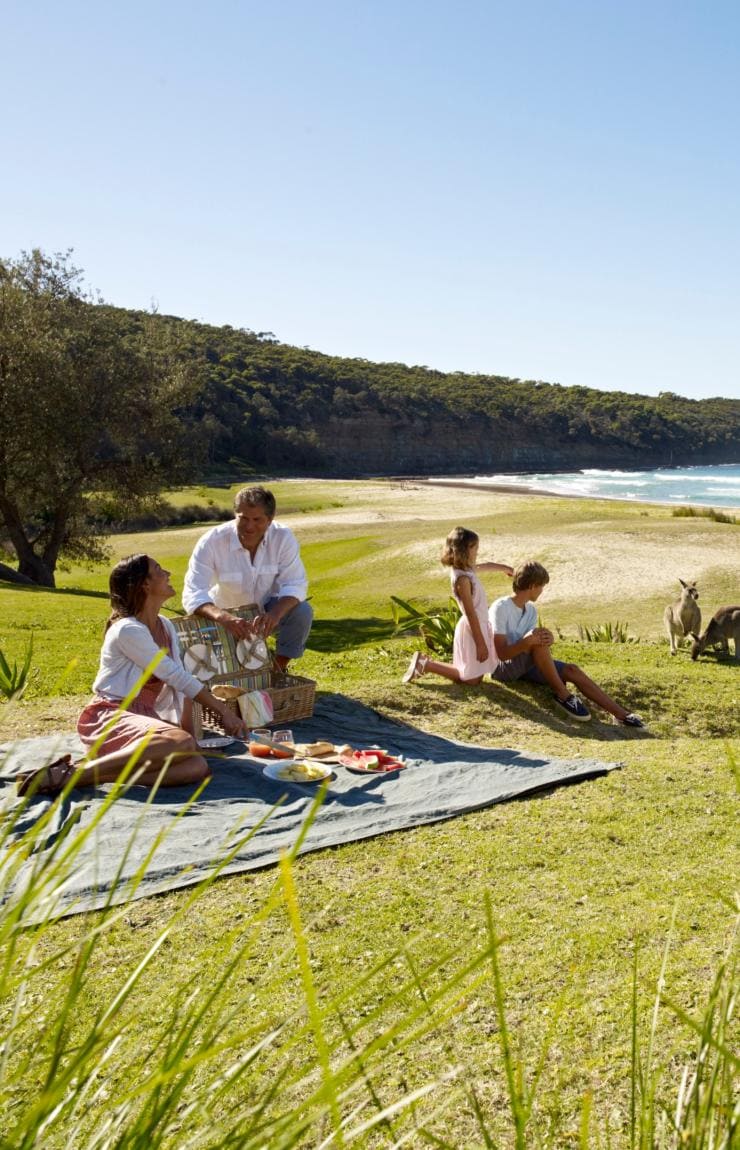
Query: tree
{"type": "Point", "coordinates": [92, 402]}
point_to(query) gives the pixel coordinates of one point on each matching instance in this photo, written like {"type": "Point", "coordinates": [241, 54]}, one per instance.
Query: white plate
{"type": "Point", "coordinates": [252, 653]}
{"type": "Point", "coordinates": [214, 741]}
{"type": "Point", "coordinates": [199, 661]}
{"type": "Point", "coordinates": [271, 772]}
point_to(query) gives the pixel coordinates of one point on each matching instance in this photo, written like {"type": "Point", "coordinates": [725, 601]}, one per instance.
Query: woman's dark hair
{"type": "Point", "coordinates": [126, 585]}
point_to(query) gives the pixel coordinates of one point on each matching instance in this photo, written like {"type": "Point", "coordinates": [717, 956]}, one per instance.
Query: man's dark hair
{"type": "Point", "coordinates": [256, 497]}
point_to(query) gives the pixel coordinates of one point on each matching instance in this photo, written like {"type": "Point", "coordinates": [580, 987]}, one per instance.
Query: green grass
{"type": "Point", "coordinates": [579, 880]}
{"type": "Point", "coordinates": [292, 497]}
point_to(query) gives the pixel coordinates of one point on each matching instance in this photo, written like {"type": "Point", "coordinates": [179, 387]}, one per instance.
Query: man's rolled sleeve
{"type": "Point", "coordinates": [200, 577]}
{"type": "Point", "coordinates": [292, 579]}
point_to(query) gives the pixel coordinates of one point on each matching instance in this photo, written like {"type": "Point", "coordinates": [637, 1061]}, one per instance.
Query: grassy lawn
{"type": "Point", "coordinates": [580, 880]}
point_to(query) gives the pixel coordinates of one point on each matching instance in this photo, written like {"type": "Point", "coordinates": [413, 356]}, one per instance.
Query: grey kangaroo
{"type": "Point", "coordinates": [682, 617]}
{"type": "Point", "coordinates": [723, 626]}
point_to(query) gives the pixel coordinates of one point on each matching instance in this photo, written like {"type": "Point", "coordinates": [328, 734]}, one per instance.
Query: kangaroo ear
{"type": "Point", "coordinates": [682, 582]}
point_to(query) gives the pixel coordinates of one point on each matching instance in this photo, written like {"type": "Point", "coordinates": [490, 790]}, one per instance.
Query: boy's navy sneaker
{"type": "Point", "coordinates": [574, 708]}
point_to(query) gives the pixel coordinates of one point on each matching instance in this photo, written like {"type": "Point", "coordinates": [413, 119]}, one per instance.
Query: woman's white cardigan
{"type": "Point", "coordinates": [128, 648]}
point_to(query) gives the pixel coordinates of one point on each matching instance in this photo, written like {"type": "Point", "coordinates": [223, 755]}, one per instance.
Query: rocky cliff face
{"type": "Point", "coordinates": [381, 444]}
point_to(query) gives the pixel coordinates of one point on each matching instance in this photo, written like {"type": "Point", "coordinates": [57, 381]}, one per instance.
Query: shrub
{"type": "Point", "coordinates": [115, 520]}
{"type": "Point", "coordinates": [436, 626]}
{"type": "Point", "coordinates": [703, 513]}
{"type": "Point", "coordinates": [13, 679]}
{"type": "Point", "coordinates": [606, 633]}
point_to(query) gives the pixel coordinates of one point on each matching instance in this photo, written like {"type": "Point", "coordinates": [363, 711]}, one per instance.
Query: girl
{"type": "Point", "coordinates": [135, 633]}
{"type": "Point", "coordinates": [473, 653]}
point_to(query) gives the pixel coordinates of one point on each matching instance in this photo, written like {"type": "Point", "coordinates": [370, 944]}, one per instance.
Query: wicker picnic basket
{"type": "Point", "coordinates": [292, 696]}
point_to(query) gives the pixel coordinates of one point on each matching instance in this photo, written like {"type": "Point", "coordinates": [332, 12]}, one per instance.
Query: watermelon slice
{"type": "Point", "coordinates": [371, 762]}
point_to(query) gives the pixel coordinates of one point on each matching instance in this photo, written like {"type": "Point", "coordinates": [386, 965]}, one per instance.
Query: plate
{"type": "Point", "coordinates": [252, 653]}
{"type": "Point", "coordinates": [199, 661]}
{"type": "Point", "coordinates": [271, 770]}
{"type": "Point", "coordinates": [212, 741]}
{"type": "Point", "coordinates": [386, 770]}
{"type": "Point", "coordinates": [388, 764]}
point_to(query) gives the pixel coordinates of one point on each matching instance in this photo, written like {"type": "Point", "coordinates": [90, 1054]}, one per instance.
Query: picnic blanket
{"type": "Point", "coordinates": [443, 778]}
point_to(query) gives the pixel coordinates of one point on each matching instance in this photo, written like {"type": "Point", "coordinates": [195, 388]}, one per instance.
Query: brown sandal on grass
{"type": "Point", "coordinates": [50, 780]}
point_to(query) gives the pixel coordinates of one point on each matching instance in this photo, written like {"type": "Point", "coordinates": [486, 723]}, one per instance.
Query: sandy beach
{"type": "Point", "coordinates": [620, 553]}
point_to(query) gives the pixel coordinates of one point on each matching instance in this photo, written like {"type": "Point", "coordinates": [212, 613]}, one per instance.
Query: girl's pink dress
{"type": "Point", "coordinates": [130, 726]}
{"type": "Point", "coordinates": [464, 657]}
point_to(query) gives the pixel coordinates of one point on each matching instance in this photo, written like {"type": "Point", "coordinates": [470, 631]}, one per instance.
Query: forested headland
{"type": "Point", "coordinates": [273, 406]}
{"type": "Point", "coordinates": [103, 408]}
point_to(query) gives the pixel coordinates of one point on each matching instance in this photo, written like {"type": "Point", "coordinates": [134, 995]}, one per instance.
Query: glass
{"type": "Point", "coordinates": [259, 750]}
{"type": "Point", "coordinates": [285, 736]}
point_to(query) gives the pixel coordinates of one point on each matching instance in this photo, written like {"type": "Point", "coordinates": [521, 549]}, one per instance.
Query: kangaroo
{"type": "Point", "coordinates": [682, 617]}
{"type": "Point", "coordinates": [723, 626]}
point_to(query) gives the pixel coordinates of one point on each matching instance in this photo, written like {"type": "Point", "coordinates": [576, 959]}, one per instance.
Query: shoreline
{"type": "Point", "coordinates": [520, 489]}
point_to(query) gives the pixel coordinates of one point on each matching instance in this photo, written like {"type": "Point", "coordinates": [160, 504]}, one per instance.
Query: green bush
{"type": "Point", "coordinates": [703, 513]}
{"type": "Point", "coordinates": [606, 633]}
{"type": "Point", "coordinates": [13, 679]}
{"type": "Point", "coordinates": [436, 626]}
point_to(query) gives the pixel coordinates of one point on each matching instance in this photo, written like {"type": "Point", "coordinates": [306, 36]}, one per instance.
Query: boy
{"type": "Point", "coordinates": [523, 650]}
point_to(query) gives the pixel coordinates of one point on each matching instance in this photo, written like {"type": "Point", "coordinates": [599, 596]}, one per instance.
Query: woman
{"type": "Point", "coordinates": [161, 710]}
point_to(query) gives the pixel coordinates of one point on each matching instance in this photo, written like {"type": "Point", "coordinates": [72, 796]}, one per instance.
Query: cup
{"type": "Point", "coordinates": [285, 736]}
{"type": "Point", "coordinates": [259, 750]}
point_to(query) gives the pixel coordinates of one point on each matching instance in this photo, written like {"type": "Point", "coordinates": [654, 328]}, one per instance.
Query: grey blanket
{"type": "Point", "coordinates": [443, 778]}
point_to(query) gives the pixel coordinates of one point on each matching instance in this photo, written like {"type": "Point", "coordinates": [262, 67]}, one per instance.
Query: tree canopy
{"type": "Point", "coordinates": [274, 406]}
{"type": "Point", "coordinates": [91, 404]}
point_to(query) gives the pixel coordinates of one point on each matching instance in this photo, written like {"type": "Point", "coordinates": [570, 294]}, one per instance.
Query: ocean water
{"type": "Point", "coordinates": [717, 487]}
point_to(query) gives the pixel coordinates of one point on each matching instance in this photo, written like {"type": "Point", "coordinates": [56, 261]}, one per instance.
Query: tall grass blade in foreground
{"type": "Point", "coordinates": [167, 1055]}
{"type": "Point", "coordinates": [705, 1113]}
{"type": "Point", "coordinates": [80, 1069]}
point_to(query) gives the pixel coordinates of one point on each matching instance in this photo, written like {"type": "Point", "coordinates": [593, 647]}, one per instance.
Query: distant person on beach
{"type": "Point", "coordinates": [522, 650]}
{"type": "Point", "coordinates": [252, 559]}
{"type": "Point", "coordinates": [473, 653]}
{"type": "Point", "coordinates": [156, 722]}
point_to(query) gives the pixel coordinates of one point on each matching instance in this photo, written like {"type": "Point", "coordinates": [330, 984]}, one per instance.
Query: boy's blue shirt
{"type": "Point", "coordinates": [512, 621]}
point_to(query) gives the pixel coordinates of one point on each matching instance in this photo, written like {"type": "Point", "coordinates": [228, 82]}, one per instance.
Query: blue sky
{"type": "Point", "coordinates": [547, 190]}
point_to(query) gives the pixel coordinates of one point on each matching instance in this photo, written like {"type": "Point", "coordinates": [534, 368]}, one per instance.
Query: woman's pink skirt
{"type": "Point", "coordinates": [127, 728]}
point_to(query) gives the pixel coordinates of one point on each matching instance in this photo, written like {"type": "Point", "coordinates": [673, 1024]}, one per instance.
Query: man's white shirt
{"type": "Point", "coordinates": [221, 571]}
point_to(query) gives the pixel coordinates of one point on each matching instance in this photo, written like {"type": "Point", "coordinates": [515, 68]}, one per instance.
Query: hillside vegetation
{"type": "Point", "coordinates": [264, 404]}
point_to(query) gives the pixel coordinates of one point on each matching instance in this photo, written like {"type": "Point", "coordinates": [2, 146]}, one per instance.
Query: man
{"type": "Point", "coordinates": [252, 560]}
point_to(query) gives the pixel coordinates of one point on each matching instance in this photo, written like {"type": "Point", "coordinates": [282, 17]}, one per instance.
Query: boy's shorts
{"type": "Point", "coordinates": [522, 667]}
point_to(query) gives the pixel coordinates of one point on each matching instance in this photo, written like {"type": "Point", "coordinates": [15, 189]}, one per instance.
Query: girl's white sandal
{"type": "Point", "coordinates": [416, 667]}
